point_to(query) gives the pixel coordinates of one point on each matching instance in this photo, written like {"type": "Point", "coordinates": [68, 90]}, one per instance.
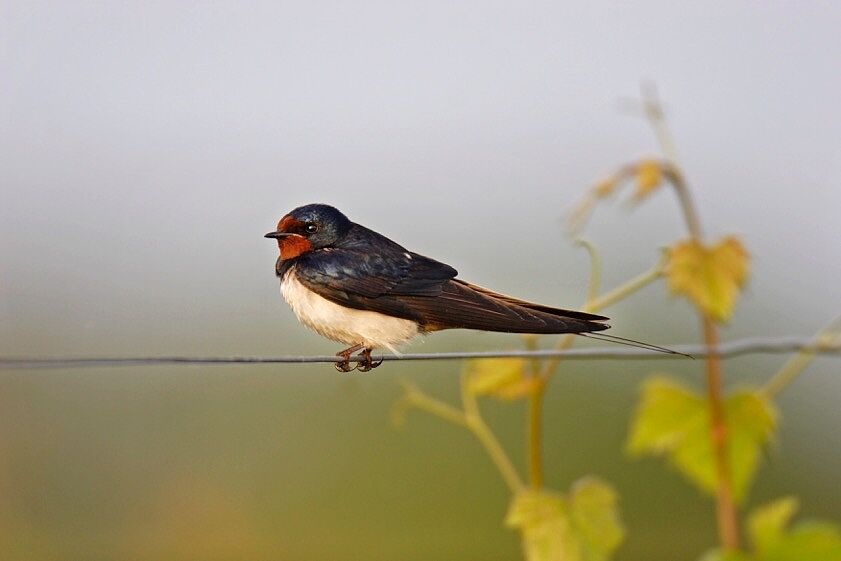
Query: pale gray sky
{"type": "Point", "coordinates": [147, 146]}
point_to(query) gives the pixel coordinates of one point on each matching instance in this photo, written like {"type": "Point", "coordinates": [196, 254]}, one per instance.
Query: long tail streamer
{"type": "Point", "coordinates": [632, 343]}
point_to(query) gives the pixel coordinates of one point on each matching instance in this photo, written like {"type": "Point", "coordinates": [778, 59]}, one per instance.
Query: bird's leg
{"type": "Point", "coordinates": [344, 364]}
{"type": "Point", "coordinates": [368, 363]}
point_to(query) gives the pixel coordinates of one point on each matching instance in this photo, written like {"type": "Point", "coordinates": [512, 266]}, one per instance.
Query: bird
{"type": "Point", "coordinates": [355, 286]}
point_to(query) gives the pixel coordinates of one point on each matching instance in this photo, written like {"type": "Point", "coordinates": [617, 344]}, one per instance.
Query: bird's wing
{"type": "Point", "coordinates": [531, 305]}
{"type": "Point", "coordinates": [433, 299]}
{"type": "Point", "coordinates": [462, 305]}
{"type": "Point", "coordinates": [350, 273]}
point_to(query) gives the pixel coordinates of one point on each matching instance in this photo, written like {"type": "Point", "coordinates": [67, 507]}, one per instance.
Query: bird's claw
{"type": "Point", "coordinates": [367, 364]}
{"type": "Point", "coordinates": [364, 362]}
{"type": "Point", "coordinates": [344, 365]}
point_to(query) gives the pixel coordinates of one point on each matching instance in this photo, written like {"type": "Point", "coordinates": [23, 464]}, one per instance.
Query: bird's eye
{"type": "Point", "coordinates": [312, 228]}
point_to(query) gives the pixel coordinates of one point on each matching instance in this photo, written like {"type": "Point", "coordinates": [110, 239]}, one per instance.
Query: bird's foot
{"type": "Point", "coordinates": [344, 364]}
{"type": "Point", "coordinates": [367, 363]}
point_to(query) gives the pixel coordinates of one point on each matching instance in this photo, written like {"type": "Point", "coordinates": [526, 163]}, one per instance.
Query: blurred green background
{"type": "Point", "coordinates": [147, 147]}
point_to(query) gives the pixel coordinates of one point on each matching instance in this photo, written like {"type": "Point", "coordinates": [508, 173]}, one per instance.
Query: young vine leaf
{"type": "Point", "coordinates": [711, 277]}
{"type": "Point", "coordinates": [583, 525]}
{"type": "Point", "coordinates": [503, 378]}
{"type": "Point", "coordinates": [772, 540]}
{"type": "Point", "coordinates": [674, 422]}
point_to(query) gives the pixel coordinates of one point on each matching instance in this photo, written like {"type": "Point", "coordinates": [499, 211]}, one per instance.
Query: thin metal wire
{"type": "Point", "coordinates": [739, 347]}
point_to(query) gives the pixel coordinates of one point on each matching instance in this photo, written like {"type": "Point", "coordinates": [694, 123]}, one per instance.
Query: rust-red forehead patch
{"type": "Point", "coordinates": [288, 224]}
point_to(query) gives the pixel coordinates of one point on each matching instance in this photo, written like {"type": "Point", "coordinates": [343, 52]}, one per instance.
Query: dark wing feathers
{"type": "Point", "coordinates": [373, 275]}
{"type": "Point", "coordinates": [352, 267]}
{"type": "Point", "coordinates": [531, 305]}
{"type": "Point", "coordinates": [460, 305]}
{"type": "Point", "coordinates": [437, 302]}
{"type": "Point", "coordinates": [403, 284]}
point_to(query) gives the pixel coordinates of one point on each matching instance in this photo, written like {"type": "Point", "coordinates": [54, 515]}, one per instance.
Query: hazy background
{"type": "Point", "coordinates": [145, 148]}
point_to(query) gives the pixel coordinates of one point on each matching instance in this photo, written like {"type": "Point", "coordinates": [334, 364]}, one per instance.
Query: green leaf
{"type": "Point", "coordinates": [583, 526]}
{"type": "Point", "coordinates": [504, 378]}
{"type": "Point", "coordinates": [674, 422]}
{"type": "Point", "coordinates": [711, 277]}
{"type": "Point", "coordinates": [543, 521]}
{"type": "Point", "coordinates": [767, 523]}
{"type": "Point", "coordinates": [807, 541]}
{"type": "Point", "coordinates": [751, 421]}
{"type": "Point", "coordinates": [667, 413]}
{"type": "Point", "coordinates": [772, 541]}
{"type": "Point", "coordinates": [595, 518]}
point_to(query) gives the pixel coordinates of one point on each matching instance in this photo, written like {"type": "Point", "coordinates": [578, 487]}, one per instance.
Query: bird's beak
{"type": "Point", "coordinates": [278, 235]}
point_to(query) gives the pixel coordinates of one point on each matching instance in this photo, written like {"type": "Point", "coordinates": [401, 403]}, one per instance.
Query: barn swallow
{"type": "Point", "coordinates": [355, 286]}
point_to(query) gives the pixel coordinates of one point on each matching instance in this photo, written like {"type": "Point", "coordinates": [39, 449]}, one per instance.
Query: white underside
{"type": "Point", "coordinates": [345, 325]}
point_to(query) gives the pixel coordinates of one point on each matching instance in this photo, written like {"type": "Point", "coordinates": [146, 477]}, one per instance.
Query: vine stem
{"type": "Point", "coordinates": [654, 112]}
{"type": "Point", "coordinates": [623, 291]}
{"type": "Point", "coordinates": [541, 376]}
{"type": "Point", "coordinates": [476, 424]}
{"type": "Point", "coordinates": [470, 418]}
{"type": "Point", "coordinates": [791, 370]}
{"type": "Point", "coordinates": [728, 526]}
{"type": "Point", "coordinates": [535, 426]}
{"type": "Point", "coordinates": [595, 282]}
{"type": "Point", "coordinates": [633, 285]}
{"type": "Point", "coordinates": [433, 406]}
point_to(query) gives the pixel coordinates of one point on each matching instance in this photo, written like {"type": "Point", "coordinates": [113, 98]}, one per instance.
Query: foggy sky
{"type": "Point", "coordinates": [146, 147]}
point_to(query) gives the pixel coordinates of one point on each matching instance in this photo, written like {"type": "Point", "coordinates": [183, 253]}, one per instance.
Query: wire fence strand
{"type": "Point", "coordinates": [759, 345]}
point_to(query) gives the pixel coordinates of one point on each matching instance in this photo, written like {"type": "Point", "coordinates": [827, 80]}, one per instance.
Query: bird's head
{"type": "Point", "coordinates": [308, 228]}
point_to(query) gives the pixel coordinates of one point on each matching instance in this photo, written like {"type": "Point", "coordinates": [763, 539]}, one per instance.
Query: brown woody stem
{"type": "Point", "coordinates": [534, 433]}
{"type": "Point", "coordinates": [728, 527]}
